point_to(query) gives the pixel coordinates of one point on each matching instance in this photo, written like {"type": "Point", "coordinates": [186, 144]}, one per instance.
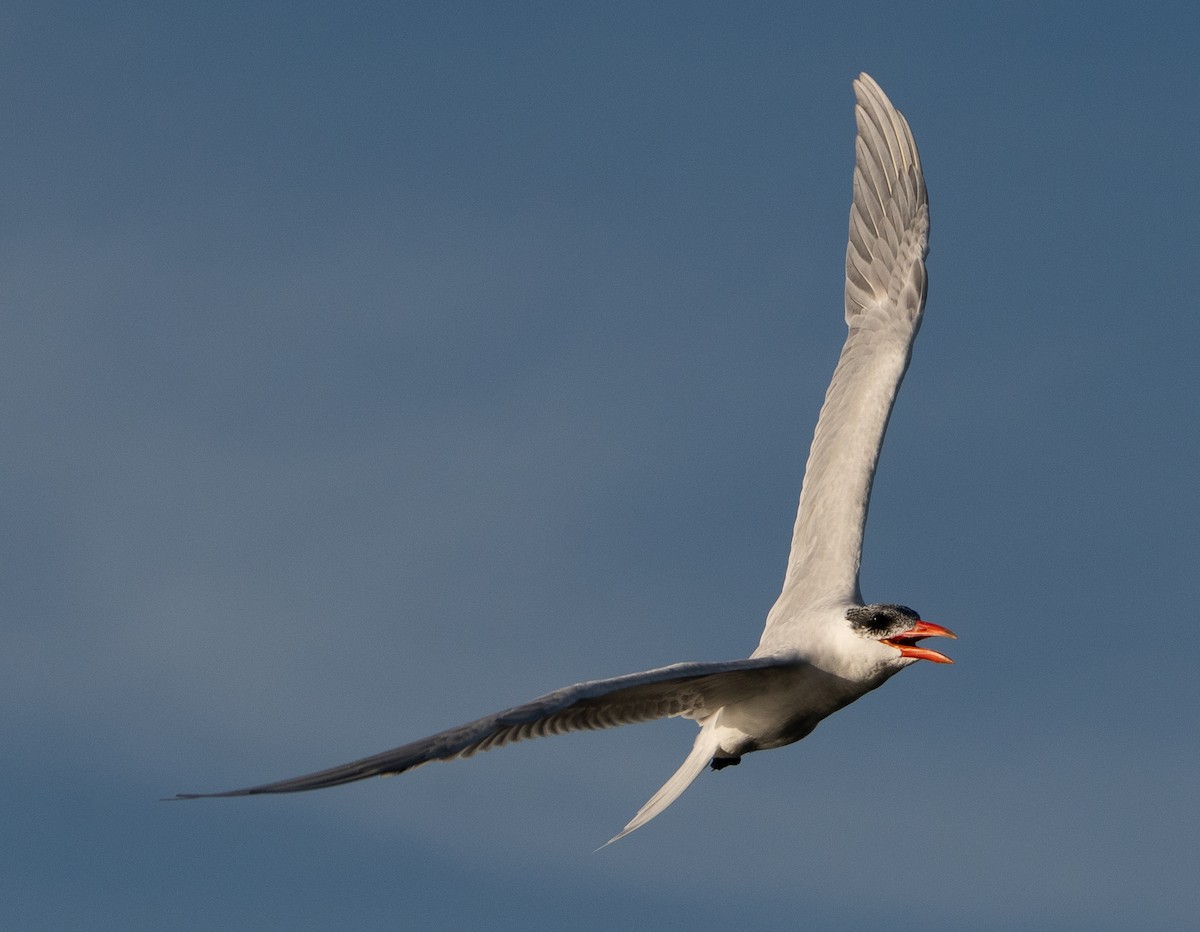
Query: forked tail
{"type": "Point", "coordinates": [702, 752]}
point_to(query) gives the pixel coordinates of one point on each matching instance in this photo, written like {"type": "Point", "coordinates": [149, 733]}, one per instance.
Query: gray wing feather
{"type": "Point", "coordinates": [692, 689]}
{"type": "Point", "coordinates": [885, 294]}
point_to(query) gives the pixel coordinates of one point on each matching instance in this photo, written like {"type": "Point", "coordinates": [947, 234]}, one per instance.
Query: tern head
{"type": "Point", "coordinates": [900, 627]}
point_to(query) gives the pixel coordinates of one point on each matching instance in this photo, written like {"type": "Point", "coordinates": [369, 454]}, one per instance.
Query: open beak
{"type": "Point", "coordinates": [906, 643]}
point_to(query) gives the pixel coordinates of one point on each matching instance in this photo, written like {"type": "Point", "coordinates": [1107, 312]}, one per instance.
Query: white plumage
{"type": "Point", "coordinates": [821, 648]}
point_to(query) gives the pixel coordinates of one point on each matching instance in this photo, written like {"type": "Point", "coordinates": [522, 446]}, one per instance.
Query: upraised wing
{"type": "Point", "coordinates": [885, 294]}
{"type": "Point", "coordinates": [692, 689]}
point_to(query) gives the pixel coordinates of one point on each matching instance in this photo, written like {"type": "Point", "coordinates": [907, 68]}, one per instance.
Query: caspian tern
{"type": "Point", "coordinates": [822, 648]}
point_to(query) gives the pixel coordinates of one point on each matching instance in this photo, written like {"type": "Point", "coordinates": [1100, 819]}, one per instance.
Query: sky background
{"type": "Point", "coordinates": [369, 367]}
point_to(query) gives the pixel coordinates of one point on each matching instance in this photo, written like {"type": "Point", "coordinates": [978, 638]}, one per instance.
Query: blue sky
{"type": "Point", "coordinates": [371, 367]}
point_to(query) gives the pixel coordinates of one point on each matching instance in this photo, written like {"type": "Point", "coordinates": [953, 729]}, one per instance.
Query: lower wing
{"type": "Point", "coordinates": [692, 689]}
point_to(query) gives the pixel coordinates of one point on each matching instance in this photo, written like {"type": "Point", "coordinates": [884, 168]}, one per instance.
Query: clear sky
{"type": "Point", "coordinates": [369, 367]}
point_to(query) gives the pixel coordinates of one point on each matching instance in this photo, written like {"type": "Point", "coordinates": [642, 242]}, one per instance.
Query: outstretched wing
{"type": "Point", "coordinates": [692, 689]}
{"type": "Point", "coordinates": [885, 293]}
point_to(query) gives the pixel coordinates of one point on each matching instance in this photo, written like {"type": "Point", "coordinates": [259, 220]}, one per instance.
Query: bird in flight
{"type": "Point", "coordinates": [822, 647]}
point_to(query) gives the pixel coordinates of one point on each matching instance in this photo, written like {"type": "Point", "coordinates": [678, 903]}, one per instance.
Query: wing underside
{"type": "Point", "coordinates": [885, 294]}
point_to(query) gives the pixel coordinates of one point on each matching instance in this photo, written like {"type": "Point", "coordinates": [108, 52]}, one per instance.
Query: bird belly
{"type": "Point", "coordinates": [794, 704]}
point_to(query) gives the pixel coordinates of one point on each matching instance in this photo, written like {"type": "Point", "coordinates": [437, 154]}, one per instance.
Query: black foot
{"type": "Point", "coordinates": [720, 763]}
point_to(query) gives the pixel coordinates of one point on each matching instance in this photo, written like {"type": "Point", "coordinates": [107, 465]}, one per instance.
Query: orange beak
{"type": "Point", "coordinates": [906, 643]}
